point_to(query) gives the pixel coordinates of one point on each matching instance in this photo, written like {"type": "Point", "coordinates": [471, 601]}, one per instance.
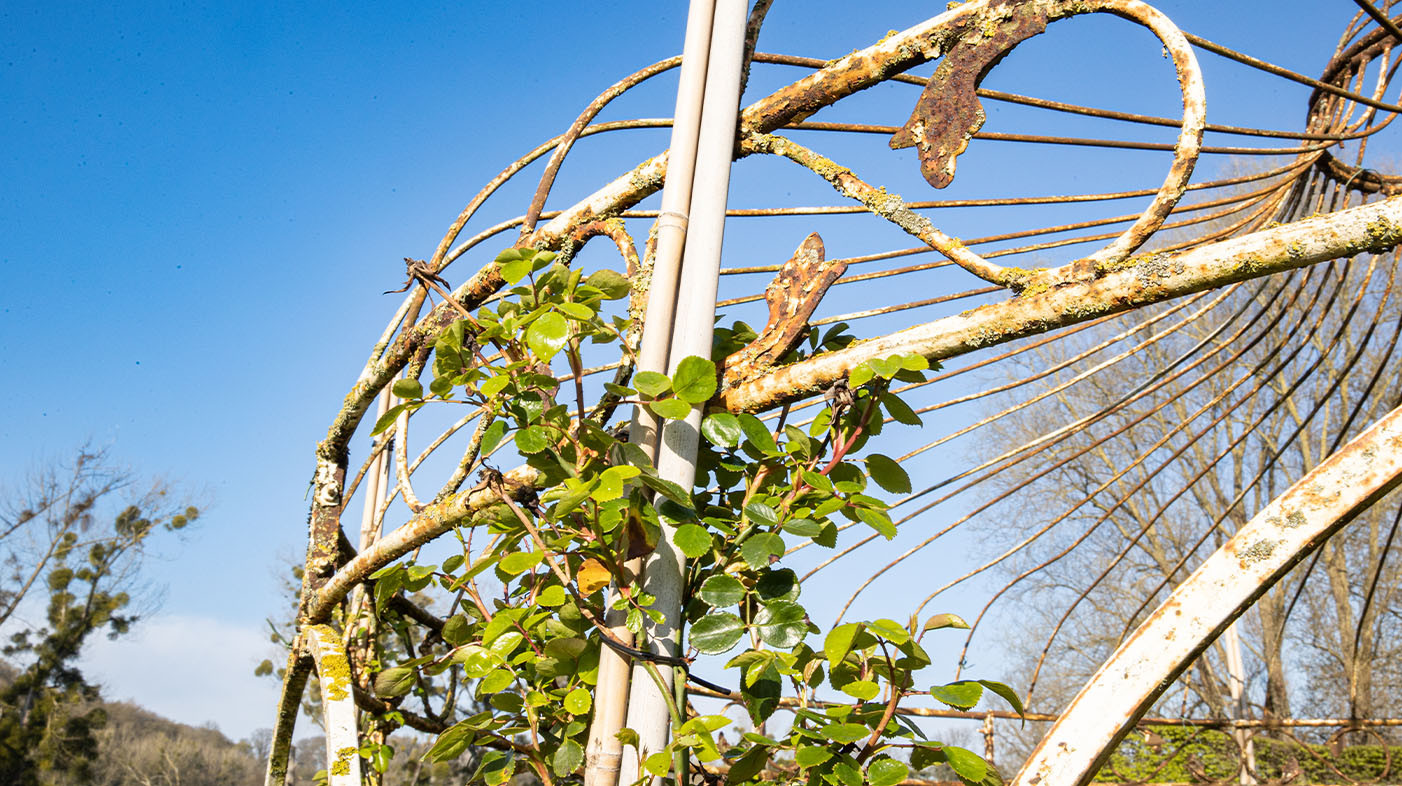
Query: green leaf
{"type": "Point", "coordinates": [966, 764]}
{"type": "Point", "coordinates": [759, 549]}
{"type": "Point", "coordinates": [886, 772]}
{"type": "Point", "coordinates": [877, 520]}
{"type": "Point", "coordinates": [567, 758]}
{"type": "Point", "coordinates": [407, 388]}
{"type": "Point", "coordinates": [847, 774]}
{"type": "Point", "coordinates": [519, 562]}
{"type": "Point", "coordinates": [758, 434]}
{"type": "Point", "coordinates": [1009, 695]}
{"type": "Point", "coordinates": [695, 380]}
{"type": "Point", "coordinates": [811, 755]}
{"type": "Point", "coordinates": [611, 480]}
{"type": "Point", "coordinates": [533, 439]}
{"type": "Point", "coordinates": [547, 335]}
{"type": "Point", "coordinates": [839, 641]}
{"type": "Point", "coordinates": [804, 528]}
{"type": "Point", "coordinates": [888, 474]}
{"type": "Point", "coordinates": [962, 695]}
{"type": "Point", "coordinates": [386, 420]}
{"type": "Point", "coordinates": [748, 766]}
{"type": "Point", "coordinates": [578, 701]}
{"type": "Point", "coordinates": [658, 764]}
{"type": "Point", "coordinates": [722, 590]}
{"type": "Point", "coordinates": [552, 596]}
{"type": "Point", "coordinates": [782, 624]}
{"type": "Point", "coordinates": [394, 681]}
{"type": "Point", "coordinates": [886, 367]}
{"type": "Point", "coordinates": [866, 690]}
{"type": "Point", "coordinates": [670, 408]}
{"type": "Point", "coordinates": [512, 271]}
{"type": "Point", "coordinates": [889, 630]}
{"type": "Point", "coordinates": [667, 489]}
{"type": "Point", "coordinates": [613, 284]}
{"type": "Point", "coordinates": [492, 437]}
{"type": "Point", "coordinates": [781, 584]}
{"type": "Point", "coordinates": [860, 375]}
{"type": "Point", "coordinates": [717, 632]}
{"type": "Point", "coordinates": [760, 513]}
{"type": "Point", "coordinates": [456, 630]}
{"type": "Point", "coordinates": [900, 410]}
{"type": "Point", "coordinates": [693, 540]}
{"type": "Point", "coordinates": [845, 732]}
{"type": "Point", "coordinates": [496, 681]}
{"type": "Point", "coordinates": [451, 743]}
{"type": "Point", "coordinates": [945, 621]}
{"type": "Point", "coordinates": [494, 385]}
{"type": "Point", "coordinates": [576, 310]}
{"type": "Point", "coordinates": [651, 383]}
{"type": "Point", "coordinates": [722, 429]}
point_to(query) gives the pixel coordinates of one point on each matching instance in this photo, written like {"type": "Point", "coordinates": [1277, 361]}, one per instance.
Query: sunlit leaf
{"type": "Point", "coordinates": [694, 380]}
{"type": "Point", "coordinates": [547, 335]}
{"type": "Point", "coordinates": [716, 632]}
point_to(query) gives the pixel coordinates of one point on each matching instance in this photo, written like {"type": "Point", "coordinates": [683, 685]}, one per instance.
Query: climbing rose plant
{"type": "Point", "coordinates": [525, 629]}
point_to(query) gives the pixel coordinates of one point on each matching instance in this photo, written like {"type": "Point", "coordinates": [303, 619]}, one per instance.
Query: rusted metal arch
{"type": "Point", "coordinates": [1218, 592]}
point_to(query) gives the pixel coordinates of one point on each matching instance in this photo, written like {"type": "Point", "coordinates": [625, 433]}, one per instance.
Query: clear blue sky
{"type": "Point", "coordinates": [201, 203]}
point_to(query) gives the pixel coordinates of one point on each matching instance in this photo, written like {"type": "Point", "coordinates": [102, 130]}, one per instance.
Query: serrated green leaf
{"type": "Point", "coordinates": [722, 590]}
{"type": "Point", "coordinates": [451, 743]}
{"type": "Point", "coordinates": [811, 755]}
{"type": "Point", "coordinates": [552, 596]}
{"type": "Point", "coordinates": [716, 632]}
{"type": "Point", "coordinates": [670, 408]}
{"type": "Point", "coordinates": [456, 630]}
{"type": "Point", "coordinates": [533, 439]}
{"type": "Point", "coordinates": [386, 420]}
{"type": "Point", "coordinates": [492, 437]}
{"type": "Point", "coordinates": [804, 528]}
{"type": "Point", "coordinates": [578, 701]}
{"type": "Point", "coordinates": [962, 695]}
{"type": "Point", "coordinates": [513, 270]}
{"type": "Point", "coordinates": [748, 766]}
{"type": "Point", "coordinates": [885, 367]}
{"type": "Point", "coordinates": [757, 434]}
{"type": "Point", "coordinates": [888, 474]}
{"type": "Point", "coordinates": [845, 732]}
{"type": "Point", "coordinates": [407, 388]}
{"type": "Point", "coordinates": [496, 681]}
{"type": "Point", "coordinates": [494, 385]}
{"type": "Point", "coordinates": [1008, 694]}
{"type": "Point", "coordinates": [839, 641]}
{"type": "Point", "coordinates": [761, 548]}
{"type": "Point", "coordinates": [877, 520]}
{"type": "Point", "coordinates": [722, 429]}
{"type": "Point", "coordinates": [547, 335]}
{"type": "Point", "coordinates": [575, 310]}
{"type": "Point", "coordinates": [658, 764]}
{"type": "Point", "coordinates": [519, 562]}
{"type": "Point", "coordinates": [966, 764]}
{"type": "Point", "coordinates": [693, 540]}
{"type": "Point", "coordinates": [890, 630]}
{"type": "Point", "coordinates": [781, 624]}
{"type": "Point", "coordinates": [394, 681]}
{"type": "Point", "coordinates": [780, 584]}
{"type": "Point", "coordinates": [613, 284]}
{"type": "Point", "coordinates": [694, 381]}
{"type": "Point", "coordinates": [651, 383]}
{"type": "Point", "coordinates": [860, 375]}
{"type": "Point", "coordinates": [900, 410]}
{"type": "Point", "coordinates": [886, 772]}
{"type": "Point", "coordinates": [567, 758]}
{"type": "Point", "coordinates": [866, 690]}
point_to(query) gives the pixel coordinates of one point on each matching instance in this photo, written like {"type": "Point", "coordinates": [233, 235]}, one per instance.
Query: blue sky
{"type": "Point", "coordinates": [201, 203]}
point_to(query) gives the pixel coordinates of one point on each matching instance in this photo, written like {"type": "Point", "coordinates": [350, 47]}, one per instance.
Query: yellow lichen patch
{"type": "Point", "coordinates": [342, 764]}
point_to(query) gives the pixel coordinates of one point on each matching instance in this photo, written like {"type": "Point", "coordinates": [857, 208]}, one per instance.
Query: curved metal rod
{"type": "Point", "coordinates": [1226, 585]}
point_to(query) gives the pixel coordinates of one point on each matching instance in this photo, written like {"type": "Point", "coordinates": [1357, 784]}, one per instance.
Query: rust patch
{"type": "Point", "coordinates": [948, 113]}
{"type": "Point", "coordinates": [793, 295]}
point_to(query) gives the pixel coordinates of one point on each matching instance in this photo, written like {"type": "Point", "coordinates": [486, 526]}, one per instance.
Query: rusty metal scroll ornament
{"type": "Point", "coordinates": [948, 112]}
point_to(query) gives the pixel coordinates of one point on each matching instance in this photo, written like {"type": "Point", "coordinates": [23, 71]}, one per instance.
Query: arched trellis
{"type": "Point", "coordinates": [1093, 287]}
